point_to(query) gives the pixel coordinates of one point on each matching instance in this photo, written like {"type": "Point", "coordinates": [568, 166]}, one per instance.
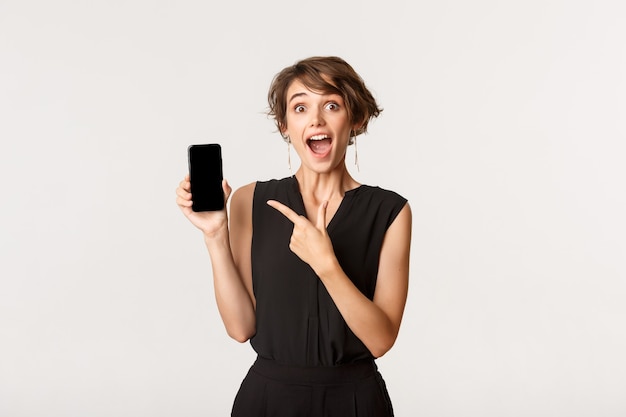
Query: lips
{"type": "Point", "coordinates": [319, 144]}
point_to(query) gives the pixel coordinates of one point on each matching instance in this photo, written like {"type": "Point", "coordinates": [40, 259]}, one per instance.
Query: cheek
{"type": "Point", "coordinates": [295, 125]}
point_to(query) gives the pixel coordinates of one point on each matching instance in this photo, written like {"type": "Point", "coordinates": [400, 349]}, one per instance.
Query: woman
{"type": "Point", "coordinates": [313, 268]}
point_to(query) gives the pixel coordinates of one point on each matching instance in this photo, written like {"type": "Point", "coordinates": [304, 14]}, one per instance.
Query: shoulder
{"type": "Point", "coordinates": [273, 188]}
{"type": "Point", "coordinates": [241, 203]}
{"type": "Point", "coordinates": [385, 205]}
{"type": "Point", "coordinates": [275, 183]}
{"type": "Point", "coordinates": [244, 194]}
{"type": "Point", "coordinates": [382, 194]}
{"type": "Point", "coordinates": [380, 197]}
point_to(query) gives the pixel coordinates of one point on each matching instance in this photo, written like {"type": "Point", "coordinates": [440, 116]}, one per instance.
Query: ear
{"type": "Point", "coordinates": [359, 125]}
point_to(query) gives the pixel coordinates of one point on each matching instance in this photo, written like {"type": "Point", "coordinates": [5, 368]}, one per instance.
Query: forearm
{"type": "Point", "coordinates": [233, 299]}
{"type": "Point", "coordinates": [366, 319]}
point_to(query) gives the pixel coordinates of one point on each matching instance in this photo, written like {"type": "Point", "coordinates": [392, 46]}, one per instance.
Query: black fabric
{"type": "Point", "coordinates": [273, 390]}
{"type": "Point", "coordinates": [297, 323]}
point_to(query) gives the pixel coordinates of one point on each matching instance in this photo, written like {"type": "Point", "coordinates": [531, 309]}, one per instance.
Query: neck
{"type": "Point", "coordinates": [325, 186]}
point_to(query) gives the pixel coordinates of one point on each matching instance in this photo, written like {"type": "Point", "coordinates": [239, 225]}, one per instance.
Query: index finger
{"type": "Point", "coordinates": [286, 211]}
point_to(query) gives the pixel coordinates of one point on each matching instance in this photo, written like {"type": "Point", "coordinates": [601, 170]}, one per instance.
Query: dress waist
{"type": "Point", "coordinates": [339, 374]}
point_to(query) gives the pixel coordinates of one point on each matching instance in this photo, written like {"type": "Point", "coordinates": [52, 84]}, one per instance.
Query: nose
{"type": "Point", "coordinates": [317, 119]}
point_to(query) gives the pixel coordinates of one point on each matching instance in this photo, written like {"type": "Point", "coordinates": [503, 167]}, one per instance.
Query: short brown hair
{"type": "Point", "coordinates": [329, 75]}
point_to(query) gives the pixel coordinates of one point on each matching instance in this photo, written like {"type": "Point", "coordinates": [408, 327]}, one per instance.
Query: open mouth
{"type": "Point", "coordinates": [319, 144]}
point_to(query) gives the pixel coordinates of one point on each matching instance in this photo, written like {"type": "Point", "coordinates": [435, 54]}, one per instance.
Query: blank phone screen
{"type": "Point", "coordinates": [205, 173]}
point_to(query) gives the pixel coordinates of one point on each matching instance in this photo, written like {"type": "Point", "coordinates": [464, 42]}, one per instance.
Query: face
{"type": "Point", "coordinates": [318, 126]}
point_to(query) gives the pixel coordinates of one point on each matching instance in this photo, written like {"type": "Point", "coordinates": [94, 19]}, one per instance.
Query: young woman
{"type": "Point", "coordinates": [313, 268]}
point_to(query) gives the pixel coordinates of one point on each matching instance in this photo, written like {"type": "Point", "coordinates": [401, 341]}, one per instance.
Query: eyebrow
{"type": "Point", "coordinates": [303, 93]}
{"type": "Point", "coordinates": [297, 95]}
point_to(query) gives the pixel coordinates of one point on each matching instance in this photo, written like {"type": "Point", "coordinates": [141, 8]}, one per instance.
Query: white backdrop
{"type": "Point", "coordinates": [504, 126]}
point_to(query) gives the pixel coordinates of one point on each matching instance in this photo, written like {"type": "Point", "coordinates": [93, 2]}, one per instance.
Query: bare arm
{"type": "Point", "coordinates": [376, 323]}
{"type": "Point", "coordinates": [229, 250]}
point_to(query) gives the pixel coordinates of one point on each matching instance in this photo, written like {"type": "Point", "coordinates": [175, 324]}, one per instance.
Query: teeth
{"type": "Point", "coordinates": [319, 137]}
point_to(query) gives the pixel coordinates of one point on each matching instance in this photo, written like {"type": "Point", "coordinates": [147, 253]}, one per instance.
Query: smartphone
{"type": "Point", "coordinates": [205, 175]}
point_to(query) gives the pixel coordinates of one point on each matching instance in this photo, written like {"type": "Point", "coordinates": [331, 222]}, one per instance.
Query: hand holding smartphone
{"type": "Point", "coordinates": [205, 175]}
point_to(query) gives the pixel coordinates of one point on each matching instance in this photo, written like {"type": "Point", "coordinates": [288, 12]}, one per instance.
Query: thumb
{"type": "Point", "coordinates": [321, 216]}
{"type": "Point", "coordinates": [227, 189]}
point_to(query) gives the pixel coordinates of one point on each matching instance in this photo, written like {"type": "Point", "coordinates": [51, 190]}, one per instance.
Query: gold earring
{"type": "Point", "coordinates": [289, 155]}
{"type": "Point", "coordinates": [356, 153]}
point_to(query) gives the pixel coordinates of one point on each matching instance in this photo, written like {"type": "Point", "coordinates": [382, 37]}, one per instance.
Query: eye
{"type": "Point", "coordinates": [332, 106]}
{"type": "Point", "coordinates": [299, 108]}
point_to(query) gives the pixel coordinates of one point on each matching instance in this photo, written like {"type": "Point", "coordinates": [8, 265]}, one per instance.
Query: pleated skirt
{"type": "Point", "coordinates": [273, 390]}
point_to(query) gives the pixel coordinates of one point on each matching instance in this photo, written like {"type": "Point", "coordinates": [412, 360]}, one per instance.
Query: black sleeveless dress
{"type": "Point", "coordinates": [300, 334]}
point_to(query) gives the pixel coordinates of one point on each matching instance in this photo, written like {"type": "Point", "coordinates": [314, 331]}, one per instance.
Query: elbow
{"type": "Point", "coordinates": [241, 335]}
{"type": "Point", "coordinates": [379, 352]}
{"type": "Point", "coordinates": [240, 330]}
{"type": "Point", "coordinates": [384, 346]}
{"type": "Point", "coordinates": [383, 342]}
{"type": "Point", "coordinates": [240, 338]}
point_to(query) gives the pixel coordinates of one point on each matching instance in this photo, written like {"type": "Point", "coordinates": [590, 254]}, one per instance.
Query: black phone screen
{"type": "Point", "coordinates": [205, 174]}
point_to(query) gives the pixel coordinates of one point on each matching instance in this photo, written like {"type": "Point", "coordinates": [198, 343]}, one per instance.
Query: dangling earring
{"type": "Point", "coordinates": [356, 153]}
{"type": "Point", "coordinates": [289, 155]}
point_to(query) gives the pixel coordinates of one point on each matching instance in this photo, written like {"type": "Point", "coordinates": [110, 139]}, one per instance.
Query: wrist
{"type": "Point", "coordinates": [329, 269]}
{"type": "Point", "coordinates": [216, 236]}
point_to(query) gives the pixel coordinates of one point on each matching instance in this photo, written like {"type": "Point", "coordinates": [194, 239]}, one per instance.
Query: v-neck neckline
{"type": "Point", "coordinates": [347, 197]}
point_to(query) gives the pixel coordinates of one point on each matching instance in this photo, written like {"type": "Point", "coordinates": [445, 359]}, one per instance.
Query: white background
{"type": "Point", "coordinates": [504, 126]}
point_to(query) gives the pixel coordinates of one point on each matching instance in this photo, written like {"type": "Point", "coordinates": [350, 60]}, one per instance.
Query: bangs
{"type": "Point", "coordinates": [317, 82]}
